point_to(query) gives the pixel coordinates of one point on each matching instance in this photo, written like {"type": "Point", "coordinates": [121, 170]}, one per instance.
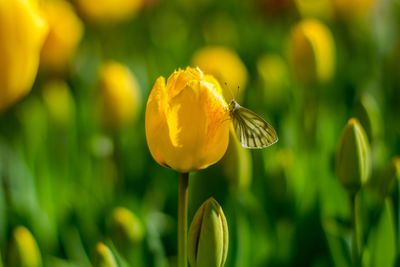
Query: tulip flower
{"type": "Point", "coordinates": [208, 236]}
{"type": "Point", "coordinates": [312, 52]}
{"type": "Point", "coordinates": [187, 129]}
{"type": "Point", "coordinates": [108, 11]}
{"type": "Point", "coordinates": [103, 257]}
{"type": "Point", "coordinates": [22, 34]}
{"type": "Point", "coordinates": [127, 229]}
{"type": "Point", "coordinates": [24, 251]}
{"type": "Point", "coordinates": [187, 121]}
{"type": "Point", "coordinates": [120, 96]}
{"type": "Point", "coordinates": [64, 35]}
{"type": "Point", "coordinates": [225, 65]}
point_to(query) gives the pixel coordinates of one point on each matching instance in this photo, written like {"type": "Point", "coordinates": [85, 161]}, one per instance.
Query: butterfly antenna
{"type": "Point", "coordinates": [229, 89]}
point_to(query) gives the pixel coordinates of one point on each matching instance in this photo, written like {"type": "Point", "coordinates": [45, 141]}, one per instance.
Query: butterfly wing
{"type": "Point", "coordinates": [252, 130]}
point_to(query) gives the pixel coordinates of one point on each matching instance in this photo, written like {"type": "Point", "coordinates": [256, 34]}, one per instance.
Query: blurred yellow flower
{"type": "Point", "coordinates": [353, 9]}
{"type": "Point", "coordinates": [22, 34]}
{"type": "Point", "coordinates": [103, 256]}
{"type": "Point", "coordinates": [58, 102]}
{"type": "Point", "coordinates": [321, 9]}
{"type": "Point", "coordinates": [225, 65]}
{"type": "Point", "coordinates": [312, 52]}
{"type": "Point", "coordinates": [24, 250]}
{"type": "Point", "coordinates": [65, 33]}
{"type": "Point", "coordinates": [108, 11]}
{"type": "Point", "coordinates": [120, 98]}
{"type": "Point", "coordinates": [187, 118]}
{"type": "Point", "coordinates": [273, 72]}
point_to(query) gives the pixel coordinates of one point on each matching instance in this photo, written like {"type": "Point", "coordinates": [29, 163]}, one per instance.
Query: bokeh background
{"type": "Point", "coordinates": [75, 169]}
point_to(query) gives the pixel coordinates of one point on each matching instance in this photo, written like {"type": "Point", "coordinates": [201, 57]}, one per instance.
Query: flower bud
{"type": "Point", "coordinates": [126, 228]}
{"type": "Point", "coordinates": [355, 9]}
{"type": "Point", "coordinates": [24, 251]}
{"type": "Point", "coordinates": [312, 52]}
{"type": "Point", "coordinates": [353, 157]}
{"type": "Point", "coordinates": [187, 121]}
{"type": "Point", "coordinates": [22, 34]}
{"type": "Point", "coordinates": [120, 98]}
{"type": "Point", "coordinates": [208, 236]}
{"type": "Point", "coordinates": [59, 102]}
{"type": "Point", "coordinates": [108, 11]}
{"type": "Point", "coordinates": [226, 66]}
{"type": "Point", "coordinates": [103, 257]}
{"type": "Point", "coordinates": [321, 9]}
{"type": "Point", "coordinates": [64, 35]}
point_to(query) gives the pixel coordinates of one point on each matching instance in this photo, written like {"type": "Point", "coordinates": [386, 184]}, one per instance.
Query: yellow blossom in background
{"type": "Point", "coordinates": [312, 52]}
{"type": "Point", "coordinates": [187, 121]}
{"type": "Point", "coordinates": [354, 9]}
{"type": "Point", "coordinates": [120, 98]}
{"type": "Point", "coordinates": [24, 251]}
{"type": "Point", "coordinates": [108, 11]}
{"type": "Point", "coordinates": [65, 33]}
{"type": "Point", "coordinates": [22, 33]}
{"type": "Point", "coordinates": [273, 72]}
{"type": "Point", "coordinates": [321, 9]}
{"type": "Point", "coordinates": [225, 65]}
{"type": "Point", "coordinates": [58, 102]}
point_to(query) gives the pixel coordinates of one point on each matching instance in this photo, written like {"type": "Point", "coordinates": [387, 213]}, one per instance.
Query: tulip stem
{"type": "Point", "coordinates": [182, 219]}
{"type": "Point", "coordinates": [355, 248]}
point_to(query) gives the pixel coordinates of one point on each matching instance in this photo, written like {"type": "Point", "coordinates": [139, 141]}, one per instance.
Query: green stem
{"type": "Point", "coordinates": [182, 219]}
{"type": "Point", "coordinates": [355, 248]}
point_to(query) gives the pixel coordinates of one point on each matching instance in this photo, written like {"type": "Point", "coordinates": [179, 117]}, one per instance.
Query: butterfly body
{"type": "Point", "coordinates": [252, 130]}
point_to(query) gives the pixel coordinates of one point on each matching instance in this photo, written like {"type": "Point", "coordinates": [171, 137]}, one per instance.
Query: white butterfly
{"type": "Point", "coordinates": [252, 130]}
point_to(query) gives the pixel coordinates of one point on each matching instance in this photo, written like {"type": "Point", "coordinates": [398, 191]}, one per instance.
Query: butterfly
{"type": "Point", "coordinates": [252, 130]}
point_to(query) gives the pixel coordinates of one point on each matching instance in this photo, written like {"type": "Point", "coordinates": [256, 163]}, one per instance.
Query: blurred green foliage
{"type": "Point", "coordinates": [284, 205]}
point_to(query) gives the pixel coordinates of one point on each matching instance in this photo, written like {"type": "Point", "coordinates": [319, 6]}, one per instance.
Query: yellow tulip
{"type": "Point", "coordinates": [24, 251]}
{"type": "Point", "coordinates": [225, 65]}
{"type": "Point", "coordinates": [22, 33]}
{"type": "Point", "coordinates": [187, 121]}
{"type": "Point", "coordinates": [354, 9]}
{"type": "Point", "coordinates": [108, 11]}
{"type": "Point", "coordinates": [103, 256]}
{"type": "Point", "coordinates": [120, 95]}
{"type": "Point", "coordinates": [312, 52]}
{"type": "Point", "coordinates": [64, 35]}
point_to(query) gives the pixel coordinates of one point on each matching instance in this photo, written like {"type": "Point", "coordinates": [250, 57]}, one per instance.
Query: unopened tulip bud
{"type": "Point", "coordinates": [208, 236]}
{"type": "Point", "coordinates": [24, 251]}
{"type": "Point", "coordinates": [353, 157]}
{"type": "Point", "coordinates": [127, 229]}
{"type": "Point", "coordinates": [103, 257]}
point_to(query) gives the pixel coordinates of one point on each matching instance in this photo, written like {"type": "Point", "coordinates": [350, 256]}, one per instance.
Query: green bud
{"type": "Point", "coordinates": [208, 236]}
{"type": "Point", "coordinates": [103, 256]}
{"type": "Point", "coordinates": [24, 251]}
{"type": "Point", "coordinates": [353, 157]}
{"type": "Point", "coordinates": [127, 230]}
{"type": "Point", "coordinates": [236, 164]}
